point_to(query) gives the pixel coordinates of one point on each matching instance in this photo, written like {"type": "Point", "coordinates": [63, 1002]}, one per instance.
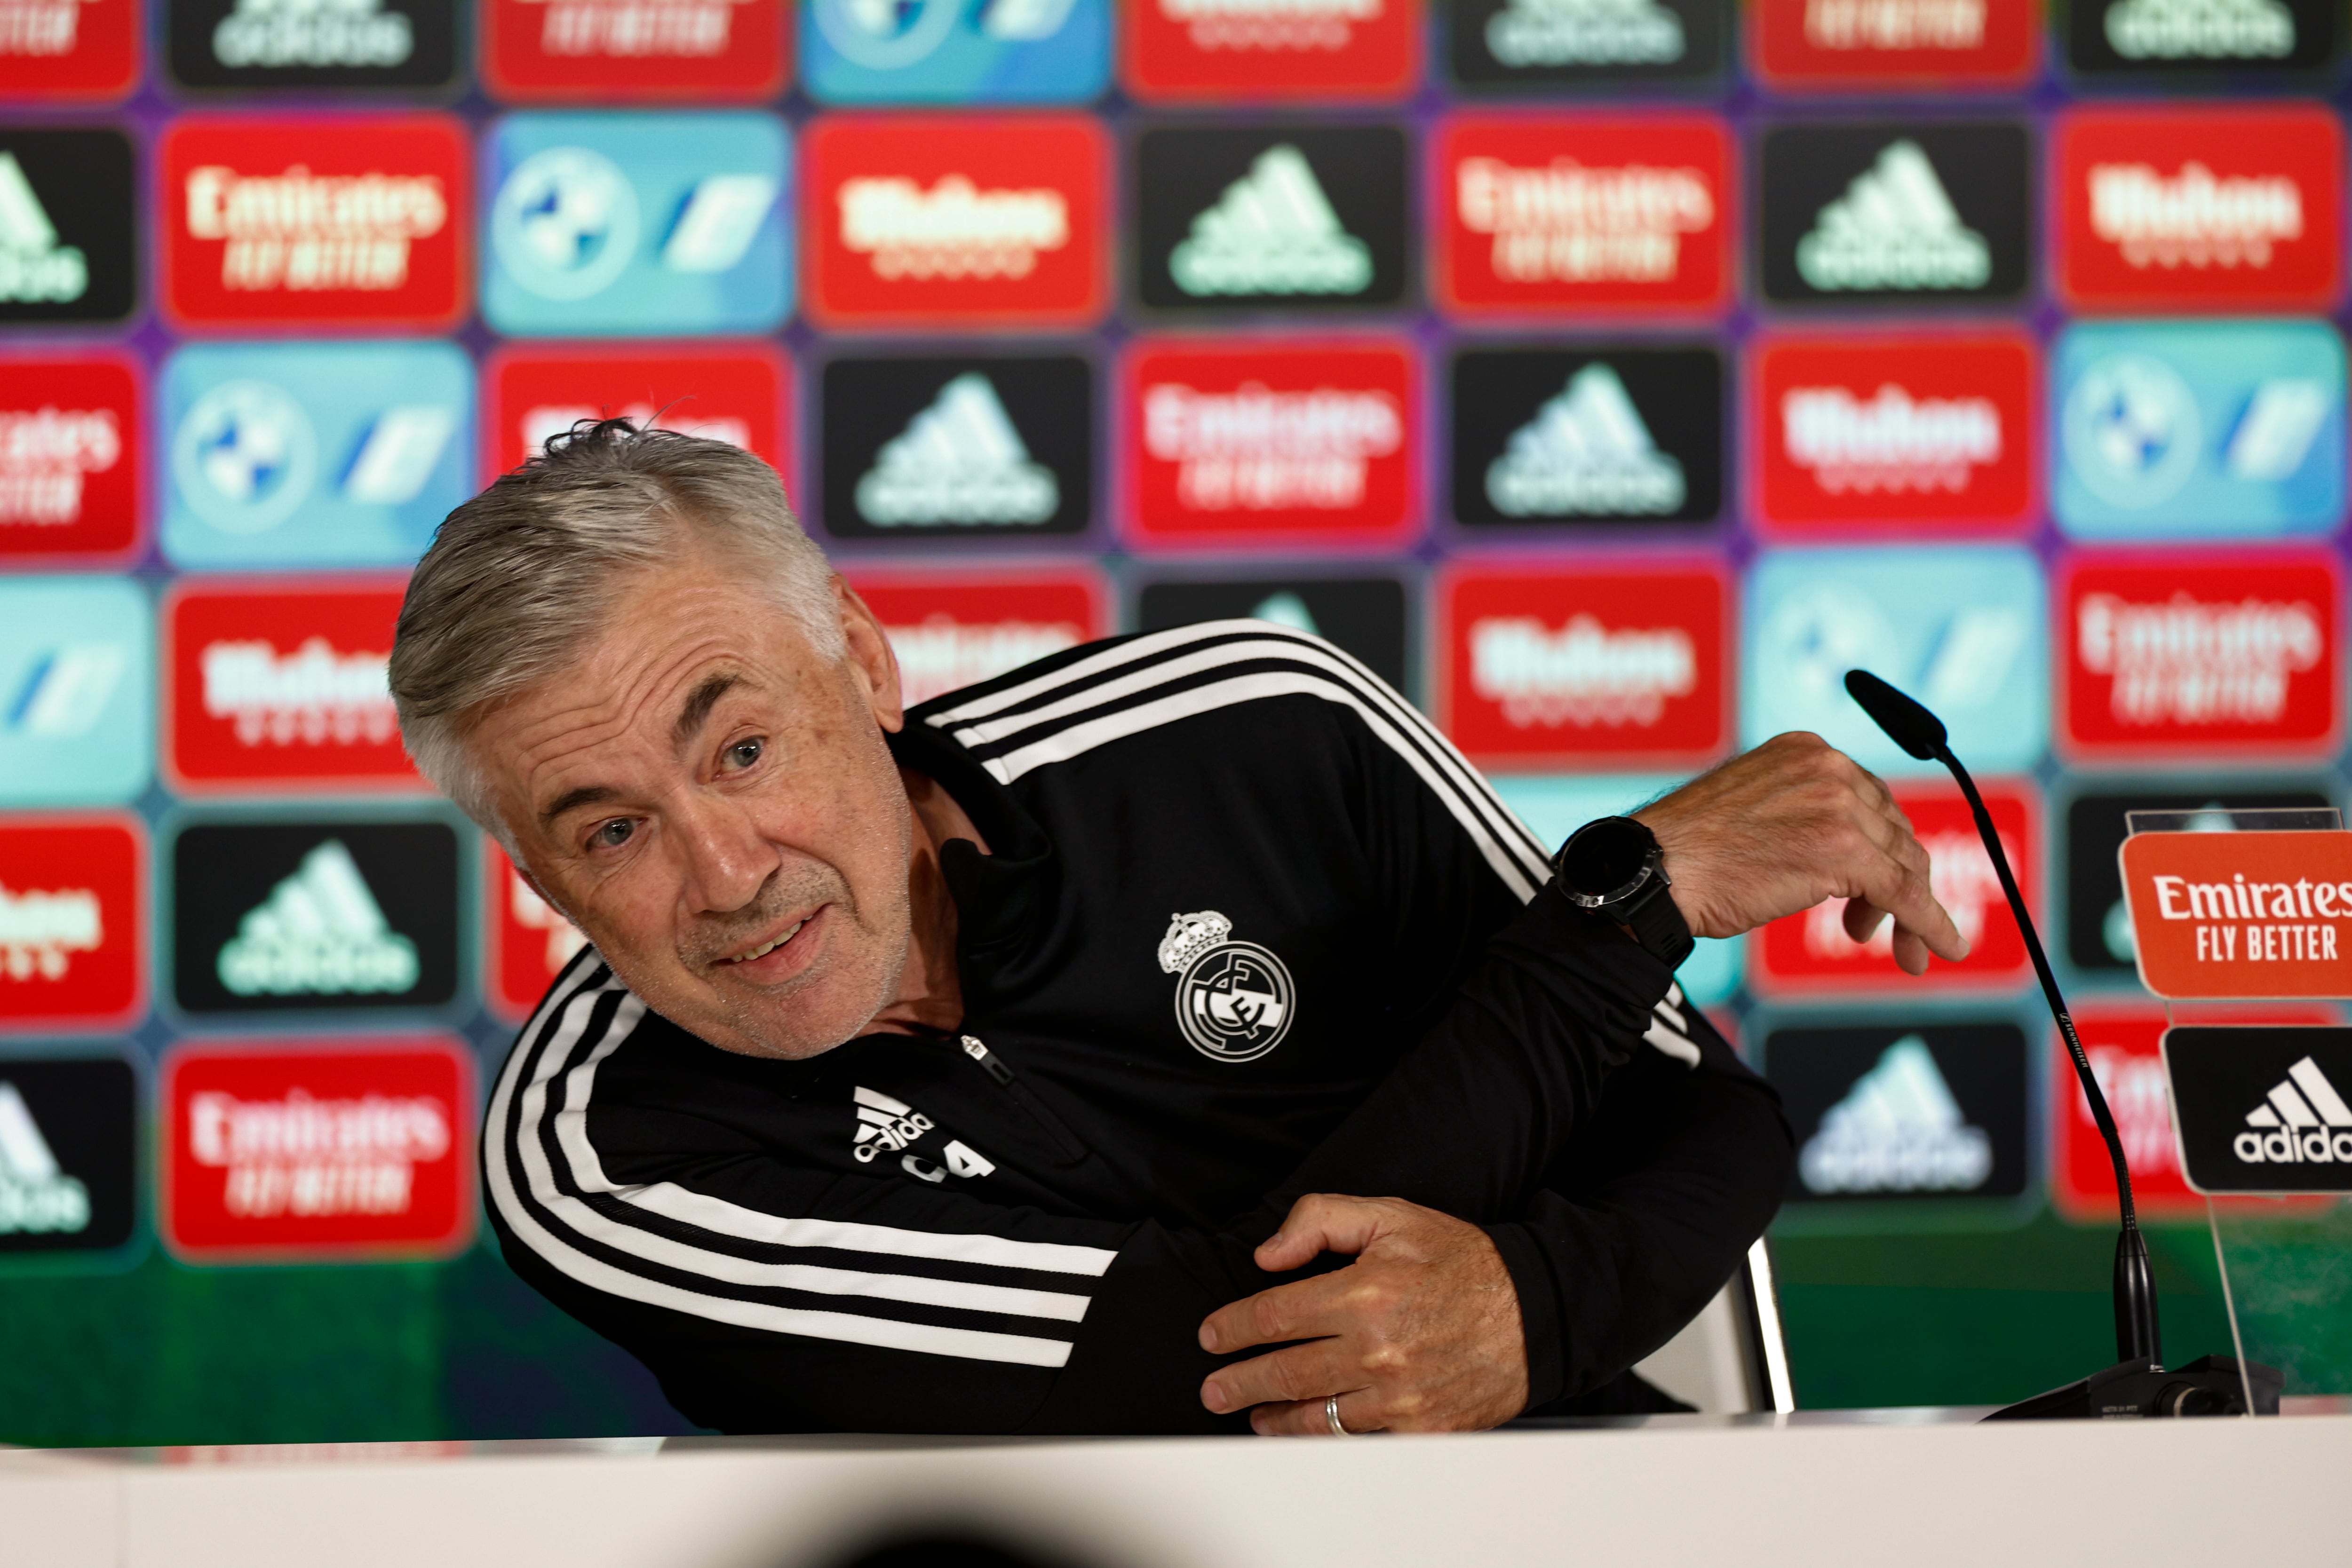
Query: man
{"type": "Point", "coordinates": [944, 1070]}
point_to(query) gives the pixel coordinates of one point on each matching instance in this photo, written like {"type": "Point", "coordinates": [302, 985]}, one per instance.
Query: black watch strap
{"type": "Point", "coordinates": [1657, 923]}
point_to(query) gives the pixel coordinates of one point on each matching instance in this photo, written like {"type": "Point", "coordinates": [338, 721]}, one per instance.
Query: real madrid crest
{"type": "Point", "coordinates": [1234, 1000]}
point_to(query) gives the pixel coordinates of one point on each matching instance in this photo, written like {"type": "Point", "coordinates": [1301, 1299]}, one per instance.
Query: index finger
{"type": "Point", "coordinates": [1906, 894]}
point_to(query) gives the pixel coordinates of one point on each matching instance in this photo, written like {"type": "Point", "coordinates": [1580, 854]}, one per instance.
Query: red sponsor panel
{"type": "Point", "coordinates": [950, 632]}
{"type": "Point", "coordinates": [955, 219]}
{"type": "Point", "coordinates": [2240, 915]}
{"type": "Point", "coordinates": [1606, 212]}
{"type": "Point", "coordinates": [530, 943]}
{"type": "Point", "coordinates": [70, 454]}
{"type": "Point", "coordinates": [73, 920]}
{"type": "Point", "coordinates": [635, 51]}
{"type": "Point", "coordinates": [1590, 666]}
{"type": "Point", "coordinates": [318, 222]}
{"type": "Point", "coordinates": [282, 684]}
{"type": "Point", "coordinates": [740, 394]}
{"type": "Point", "coordinates": [1810, 953]}
{"type": "Point", "coordinates": [277, 1153]}
{"type": "Point", "coordinates": [2199, 655]}
{"type": "Point", "coordinates": [1241, 442]}
{"type": "Point", "coordinates": [2207, 209]}
{"type": "Point", "coordinates": [2123, 1045]}
{"type": "Point", "coordinates": [1175, 52]}
{"type": "Point", "coordinates": [1826, 46]}
{"type": "Point", "coordinates": [68, 50]}
{"type": "Point", "coordinates": [1898, 434]}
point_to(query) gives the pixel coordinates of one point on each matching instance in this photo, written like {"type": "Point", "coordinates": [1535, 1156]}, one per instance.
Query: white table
{"type": "Point", "coordinates": [1910, 1488]}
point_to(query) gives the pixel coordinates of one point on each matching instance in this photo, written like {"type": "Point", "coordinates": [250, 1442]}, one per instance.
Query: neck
{"type": "Point", "coordinates": [931, 993]}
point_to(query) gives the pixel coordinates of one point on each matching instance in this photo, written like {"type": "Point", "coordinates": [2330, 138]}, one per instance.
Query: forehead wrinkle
{"type": "Point", "coordinates": [557, 740]}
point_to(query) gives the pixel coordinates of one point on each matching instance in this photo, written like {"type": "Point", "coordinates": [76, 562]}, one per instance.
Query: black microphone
{"type": "Point", "coordinates": [2138, 1348]}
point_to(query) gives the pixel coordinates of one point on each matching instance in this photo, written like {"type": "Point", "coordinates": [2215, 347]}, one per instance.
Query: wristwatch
{"type": "Point", "coordinates": [1614, 868]}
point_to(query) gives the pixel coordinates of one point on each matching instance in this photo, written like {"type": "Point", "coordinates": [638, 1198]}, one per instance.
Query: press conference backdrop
{"type": "Point", "coordinates": [1610, 375]}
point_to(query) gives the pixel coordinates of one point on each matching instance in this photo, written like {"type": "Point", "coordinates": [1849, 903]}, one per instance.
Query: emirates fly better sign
{"type": "Point", "coordinates": [2242, 915]}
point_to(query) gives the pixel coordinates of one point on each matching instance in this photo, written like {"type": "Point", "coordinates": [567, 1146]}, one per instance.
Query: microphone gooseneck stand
{"type": "Point", "coordinates": [2137, 1384]}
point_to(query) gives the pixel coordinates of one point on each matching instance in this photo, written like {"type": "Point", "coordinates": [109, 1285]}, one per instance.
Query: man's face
{"type": "Point", "coordinates": [712, 801]}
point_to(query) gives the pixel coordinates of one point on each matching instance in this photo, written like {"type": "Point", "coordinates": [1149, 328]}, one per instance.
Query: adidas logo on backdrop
{"type": "Point", "coordinates": [1522, 43]}
{"type": "Point", "coordinates": [1917, 1114]}
{"type": "Point", "coordinates": [1303, 215]}
{"type": "Point", "coordinates": [36, 1195]}
{"type": "Point", "coordinates": [1586, 452]}
{"type": "Point", "coordinates": [1898, 1129]}
{"type": "Point", "coordinates": [959, 461]}
{"type": "Point", "coordinates": [957, 446]}
{"type": "Point", "coordinates": [1544, 435]}
{"type": "Point", "coordinates": [1894, 228]}
{"type": "Point", "coordinates": [1272, 232]}
{"type": "Point", "coordinates": [276, 916]}
{"type": "Point", "coordinates": [2211, 35]}
{"type": "Point", "coordinates": [36, 267]}
{"type": "Point", "coordinates": [321, 932]}
{"type": "Point", "coordinates": [1895, 212]}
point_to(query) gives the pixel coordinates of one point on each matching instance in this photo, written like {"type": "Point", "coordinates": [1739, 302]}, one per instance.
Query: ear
{"type": "Point", "coordinates": [871, 660]}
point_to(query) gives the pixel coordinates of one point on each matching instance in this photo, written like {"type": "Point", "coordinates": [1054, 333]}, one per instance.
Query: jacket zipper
{"type": "Point", "coordinates": [996, 1067]}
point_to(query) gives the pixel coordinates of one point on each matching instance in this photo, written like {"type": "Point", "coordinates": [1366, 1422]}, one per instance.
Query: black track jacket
{"type": "Point", "coordinates": [1249, 928]}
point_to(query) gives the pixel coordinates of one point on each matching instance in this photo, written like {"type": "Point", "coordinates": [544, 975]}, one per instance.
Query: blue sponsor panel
{"type": "Point", "coordinates": [1555, 805]}
{"type": "Point", "coordinates": [309, 455]}
{"type": "Point", "coordinates": [637, 224]}
{"type": "Point", "coordinates": [2198, 429]}
{"type": "Point", "coordinates": [955, 51]}
{"type": "Point", "coordinates": [77, 691]}
{"type": "Point", "coordinates": [1963, 629]}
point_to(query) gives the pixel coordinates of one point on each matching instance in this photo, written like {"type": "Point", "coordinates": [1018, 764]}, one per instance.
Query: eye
{"type": "Point", "coordinates": [612, 835]}
{"type": "Point", "coordinates": [744, 753]}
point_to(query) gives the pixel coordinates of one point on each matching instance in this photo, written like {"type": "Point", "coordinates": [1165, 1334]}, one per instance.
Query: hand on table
{"type": "Point", "coordinates": [1792, 823]}
{"type": "Point", "coordinates": [1420, 1334]}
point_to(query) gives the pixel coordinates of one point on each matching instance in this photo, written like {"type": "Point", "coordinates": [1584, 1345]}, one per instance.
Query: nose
{"type": "Point", "coordinates": [727, 860]}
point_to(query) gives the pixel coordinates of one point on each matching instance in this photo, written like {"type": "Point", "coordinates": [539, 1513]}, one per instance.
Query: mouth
{"type": "Point", "coordinates": [775, 957]}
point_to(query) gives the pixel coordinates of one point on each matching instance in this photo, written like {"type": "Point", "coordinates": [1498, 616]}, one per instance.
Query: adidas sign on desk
{"type": "Point", "coordinates": [1896, 213]}
{"type": "Point", "coordinates": [305, 915]}
{"type": "Point", "coordinates": [1233, 218]}
{"type": "Point", "coordinates": [2263, 1110]}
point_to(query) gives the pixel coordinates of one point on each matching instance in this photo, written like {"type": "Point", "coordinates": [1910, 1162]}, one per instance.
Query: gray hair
{"type": "Point", "coordinates": [520, 577]}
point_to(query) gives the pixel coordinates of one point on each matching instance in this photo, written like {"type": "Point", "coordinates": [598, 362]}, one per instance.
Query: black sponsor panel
{"type": "Point", "coordinates": [1587, 436]}
{"type": "Point", "coordinates": [978, 445]}
{"type": "Point", "coordinates": [1895, 212]}
{"type": "Point", "coordinates": [271, 916]}
{"type": "Point", "coordinates": [2174, 38]}
{"type": "Point", "coordinates": [373, 43]}
{"type": "Point", "coordinates": [69, 238]}
{"type": "Point", "coordinates": [1901, 1112]}
{"type": "Point", "coordinates": [69, 1153]}
{"type": "Point", "coordinates": [2263, 1110]}
{"type": "Point", "coordinates": [1364, 616]}
{"type": "Point", "coordinates": [2098, 923]}
{"type": "Point", "coordinates": [1244, 218]}
{"type": "Point", "coordinates": [1503, 44]}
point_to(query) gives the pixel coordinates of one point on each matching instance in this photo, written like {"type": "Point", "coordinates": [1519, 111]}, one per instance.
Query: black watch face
{"type": "Point", "coordinates": [1604, 856]}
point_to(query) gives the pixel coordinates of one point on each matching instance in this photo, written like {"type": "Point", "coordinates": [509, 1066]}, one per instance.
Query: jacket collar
{"type": "Point", "coordinates": [1003, 899]}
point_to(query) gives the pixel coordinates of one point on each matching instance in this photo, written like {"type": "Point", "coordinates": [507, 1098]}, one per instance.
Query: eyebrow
{"type": "Point", "coordinates": [572, 799]}
{"type": "Point", "coordinates": [699, 705]}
